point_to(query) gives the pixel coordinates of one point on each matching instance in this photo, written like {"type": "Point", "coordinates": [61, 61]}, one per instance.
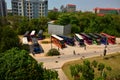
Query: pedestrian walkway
{"type": "Point", "coordinates": [56, 62]}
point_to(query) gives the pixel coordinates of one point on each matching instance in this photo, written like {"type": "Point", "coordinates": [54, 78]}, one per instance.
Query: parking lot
{"type": "Point", "coordinates": [69, 49]}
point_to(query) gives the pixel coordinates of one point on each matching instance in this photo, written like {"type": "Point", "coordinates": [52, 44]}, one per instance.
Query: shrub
{"type": "Point", "coordinates": [53, 52]}
{"type": "Point", "coordinates": [45, 42]}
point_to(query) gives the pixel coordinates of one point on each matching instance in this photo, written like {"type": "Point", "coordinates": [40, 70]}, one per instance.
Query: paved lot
{"type": "Point", "coordinates": [56, 62]}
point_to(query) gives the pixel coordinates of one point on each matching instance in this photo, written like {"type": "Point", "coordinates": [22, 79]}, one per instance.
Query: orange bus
{"type": "Point", "coordinates": [58, 41]}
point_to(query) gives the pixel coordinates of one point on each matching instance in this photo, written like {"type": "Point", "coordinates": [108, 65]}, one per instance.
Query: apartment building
{"type": "Point", "coordinates": [3, 8]}
{"type": "Point", "coordinates": [30, 8]}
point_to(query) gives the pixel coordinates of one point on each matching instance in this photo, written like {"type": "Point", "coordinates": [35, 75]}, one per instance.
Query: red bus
{"type": "Point", "coordinates": [87, 38]}
{"type": "Point", "coordinates": [58, 41]}
{"type": "Point", "coordinates": [110, 39]}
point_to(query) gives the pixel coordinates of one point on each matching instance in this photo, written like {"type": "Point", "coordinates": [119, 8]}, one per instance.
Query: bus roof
{"type": "Point", "coordinates": [26, 33]}
{"type": "Point", "coordinates": [33, 32]}
{"type": "Point", "coordinates": [40, 32]}
{"type": "Point", "coordinates": [25, 41]}
{"type": "Point", "coordinates": [85, 35]}
{"type": "Point", "coordinates": [57, 37]}
{"type": "Point", "coordinates": [93, 35]}
{"type": "Point", "coordinates": [79, 36]}
{"type": "Point", "coordinates": [107, 35]}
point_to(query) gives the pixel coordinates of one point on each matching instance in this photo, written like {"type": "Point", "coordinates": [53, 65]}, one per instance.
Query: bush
{"type": "Point", "coordinates": [45, 42]}
{"type": "Point", "coordinates": [53, 52]}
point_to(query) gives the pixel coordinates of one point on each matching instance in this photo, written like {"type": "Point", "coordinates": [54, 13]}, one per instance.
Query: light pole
{"type": "Point", "coordinates": [51, 41]}
{"type": "Point", "coordinates": [105, 50]}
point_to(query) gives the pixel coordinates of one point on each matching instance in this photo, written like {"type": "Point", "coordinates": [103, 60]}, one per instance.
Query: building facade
{"type": "Point", "coordinates": [59, 29]}
{"type": "Point", "coordinates": [30, 8]}
{"type": "Point", "coordinates": [3, 8]}
{"type": "Point", "coordinates": [103, 11]}
{"type": "Point", "coordinates": [70, 8]}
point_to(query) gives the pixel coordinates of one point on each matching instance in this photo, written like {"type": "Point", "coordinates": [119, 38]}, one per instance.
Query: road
{"type": "Point", "coordinates": [57, 62]}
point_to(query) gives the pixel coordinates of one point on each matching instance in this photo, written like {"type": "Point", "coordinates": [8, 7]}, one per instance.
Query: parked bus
{"type": "Point", "coordinates": [68, 40]}
{"type": "Point", "coordinates": [103, 39]}
{"type": "Point", "coordinates": [32, 34]}
{"type": "Point", "coordinates": [36, 47]}
{"type": "Point", "coordinates": [96, 39]}
{"type": "Point", "coordinates": [87, 38]}
{"type": "Point", "coordinates": [58, 41]}
{"type": "Point", "coordinates": [79, 39]}
{"type": "Point", "coordinates": [25, 40]}
{"type": "Point", "coordinates": [110, 39]}
{"type": "Point", "coordinates": [40, 34]}
{"type": "Point", "coordinates": [27, 34]}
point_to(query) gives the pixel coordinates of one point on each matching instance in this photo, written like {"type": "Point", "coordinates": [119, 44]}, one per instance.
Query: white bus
{"type": "Point", "coordinates": [32, 34]}
{"type": "Point", "coordinates": [79, 39]}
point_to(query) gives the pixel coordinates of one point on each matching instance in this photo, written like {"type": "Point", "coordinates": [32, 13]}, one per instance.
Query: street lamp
{"type": "Point", "coordinates": [51, 41]}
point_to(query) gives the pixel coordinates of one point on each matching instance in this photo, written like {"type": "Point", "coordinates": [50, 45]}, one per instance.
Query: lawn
{"type": "Point", "coordinates": [112, 60]}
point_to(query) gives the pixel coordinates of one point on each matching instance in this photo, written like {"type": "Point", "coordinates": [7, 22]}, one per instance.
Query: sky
{"type": "Point", "coordinates": [84, 5]}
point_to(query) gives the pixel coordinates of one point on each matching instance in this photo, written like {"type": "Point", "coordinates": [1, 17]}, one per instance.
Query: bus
{"type": "Point", "coordinates": [25, 40]}
{"type": "Point", "coordinates": [36, 46]}
{"type": "Point", "coordinates": [79, 39]}
{"type": "Point", "coordinates": [110, 39]}
{"type": "Point", "coordinates": [68, 40]}
{"type": "Point", "coordinates": [96, 39]}
{"type": "Point", "coordinates": [32, 34]}
{"type": "Point", "coordinates": [103, 39]}
{"type": "Point", "coordinates": [27, 34]}
{"type": "Point", "coordinates": [40, 34]}
{"type": "Point", "coordinates": [87, 38]}
{"type": "Point", "coordinates": [58, 41]}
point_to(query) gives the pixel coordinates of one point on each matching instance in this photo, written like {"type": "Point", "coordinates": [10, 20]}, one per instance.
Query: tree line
{"type": "Point", "coordinates": [89, 22]}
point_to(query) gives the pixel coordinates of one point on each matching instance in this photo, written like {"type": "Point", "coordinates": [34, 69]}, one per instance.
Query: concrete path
{"type": "Point", "coordinates": [67, 55]}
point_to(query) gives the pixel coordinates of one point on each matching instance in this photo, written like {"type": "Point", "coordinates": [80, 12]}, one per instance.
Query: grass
{"type": "Point", "coordinates": [112, 60]}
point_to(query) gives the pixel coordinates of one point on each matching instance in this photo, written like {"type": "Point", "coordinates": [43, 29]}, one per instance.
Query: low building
{"type": "Point", "coordinates": [103, 11]}
{"type": "Point", "coordinates": [70, 8]}
{"type": "Point", "coordinates": [59, 29]}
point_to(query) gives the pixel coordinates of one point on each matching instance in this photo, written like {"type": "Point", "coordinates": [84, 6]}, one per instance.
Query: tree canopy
{"type": "Point", "coordinates": [8, 39]}
{"type": "Point", "coordinates": [16, 64]}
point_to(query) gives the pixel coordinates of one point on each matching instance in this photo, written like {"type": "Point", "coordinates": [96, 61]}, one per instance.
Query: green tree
{"type": "Point", "coordinates": [8, 39]}
{"type": "Point", "coordinates": [87, 71]}
{"type": "Point", "coordinates": [75, 29]}
{"type": "Point", "coordinates": [53, 52]}
{"type": "Point", "coordinates": [63, 19]}
{"type": "Point", "coordinates": [94, 63]}
{"type": "Point", "coordinates": [52, 15]}
{"type": "Point", "coordinates": [23, 26]}
{"type": "Point", "coordinates": [16, 64]}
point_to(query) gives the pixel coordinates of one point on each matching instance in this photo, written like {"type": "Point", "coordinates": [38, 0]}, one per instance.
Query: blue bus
{"type": "Point", "coordinates": [103, 39]}
{"type": "Point", "coordinates": [79, 39]}
{"type": "Point", "coordinates": [36, 47]}
{"type": "Point", "coordinates": [68, 40]}
{"type": "Point", "coordinates": [87, 38]}
{"type": "Point", "coordinates": [40, 34]}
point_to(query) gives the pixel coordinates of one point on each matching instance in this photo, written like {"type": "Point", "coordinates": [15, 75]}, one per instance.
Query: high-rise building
{"type": "Point", "coordinates": [30, 8]}
{"type": "Point", "coordinates": [3, 8]}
